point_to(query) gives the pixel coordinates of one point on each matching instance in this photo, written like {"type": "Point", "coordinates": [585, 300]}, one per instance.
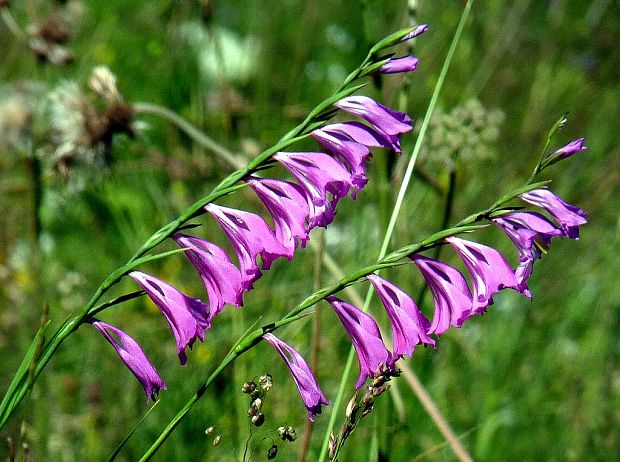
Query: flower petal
{"type": "Point", "coordinates": [453, 300]}
{"type": "Point", "coordinates": [383, 118]}
{"type": "Point", "coordinates": [365, 336]}
{"type": "Point", "coordinates": [221, 278]}
{"type": "Point", "coordinates": [187, 316]}
{"type": "Point", "coordinates": [489, 271]}
{"type": "Point", "coordinates": [409, 326]}
{"type": "Point", "coordinates": [134, 358]}
{"type": "Point", "coordinates": [288, 205]}
{"type": "Point", "coordinates": [250, 236]}
{"type": "Point", "coordinates": [307, 384]}
{"type": "Point", "coordinates": [569, 216]}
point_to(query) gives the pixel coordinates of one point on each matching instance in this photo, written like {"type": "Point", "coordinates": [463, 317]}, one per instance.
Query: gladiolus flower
{"type": "Point", "coordinates": [569, 216]}
{"type": "Point", "coordinates": [409, 326]}
{"type": "Point", "coordinates": [221, 278]}
{"type": "Point", "coordinates": [365, 336]}
{"type": "Point", "coordinates": [134, 358]}
{"type": "Point", "coordinates": [187, 316]}
{"type": "Point", "coordinates": [307, 384]}
{"type": "Point", "coordinates": [565, 151]}
{"type": "Point", "coordinates": [406, 63]}
{"type": "Point", "coordinates": [250, 236]}
{"type": "Point", "coordinates": [489, 271]}
{"type": "Point", "coordinates": [288, 205]}
{"type": "Point", "coordinates": [381, 117]}
{"type": "Point", "coordinates": [453, 300]}
{"type": "Point", "coordinates": [323, 178]}
{"type": "Point", "coordinates": [530, 232]}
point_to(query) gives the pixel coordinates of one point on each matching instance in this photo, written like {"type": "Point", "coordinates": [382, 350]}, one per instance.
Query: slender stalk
{"type": "Point", "coordinates": [396, 211]}
{"type": "Point", "coordinates": [194, 133]}
{"type": "Point", "coordinates": [11, 24]}
{"type": "Point", "coordinates": [319, 250]}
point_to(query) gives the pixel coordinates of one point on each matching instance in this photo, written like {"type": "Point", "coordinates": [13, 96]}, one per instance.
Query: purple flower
{"type": "Point", "coordinates": [187, 316]}
{"type": "Point", "coordinates": [365, 336]}
{"type": "Point", "coordinates": [409, 326]}
{"type": "Point", "coordinates": [531, 233]}
{"type": "Point", "coordinates": [221, 278]}
{"type": "Point", "coordinates": [288, 205]}
{"type": "Point", "coordinates": [406, 63]}
{"type": "Point", "coordinates": [350, 141]}
{"type": "Point", "coordinates": [489, 271]}
{"type": "Point", "coordinates": [567, 150]}
{"type": "Point", "coordinates": [323, 178]}
{"type": "Point", "coordinates": [453, 301]}
{"type": "Point", "coordinates": [250, 236]}
{"type": "Point", "coordinates": [569, 216]}
{"type": "Point", "coordinates": [306, 383]}
{"type": "Point", "coordinates": [382, 118]}
{"type": "Point", "coordinates": [418, 30]}
{"type": "Point", "coordinates": [134, 358]}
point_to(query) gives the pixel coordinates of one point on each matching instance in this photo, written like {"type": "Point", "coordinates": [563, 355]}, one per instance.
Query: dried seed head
{"type": "Point", "coordinates": [103, 82]}
{"type": "Point", "coordinates": [216, 440]}
{"type": "Point", "coordinates": [258, 419]}
{"type": "Point", "coordinates": [248, 387]}
{"type": "Point", "coordinates": [272, 452]}
{"type": "Point", "coordinates": [257, 403]}
{"type": "Point", "coordinates": [266, 382]}
{"type": "Point", "coordinates": [210, 430]}
{"type": "Point", "coordinates": [287, 433]}
{"type": "Point", "coordinates": [352, 407]}
{"type": "Point", "coordinates": [332, 446]}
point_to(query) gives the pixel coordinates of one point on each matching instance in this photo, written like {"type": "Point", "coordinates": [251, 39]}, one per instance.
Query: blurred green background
{"type": "Point", "coordinates": [530, 381]}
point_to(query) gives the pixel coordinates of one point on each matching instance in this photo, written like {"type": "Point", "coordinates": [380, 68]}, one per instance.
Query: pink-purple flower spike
{"type": "Point", "coordinates": [453, 300]}
{"type": "Point", "coordinates": [365, 337]}
{"type": "Point", "coordinates": [409, 326]}
{"type": "Point", "coordinates": [307, 384]}
{"type": "Point", "coordinates": [187, 316]}
{"type": "Point", "coordinates": [221, 278]}
{"type": "Point", "coordinates": [133, 357]}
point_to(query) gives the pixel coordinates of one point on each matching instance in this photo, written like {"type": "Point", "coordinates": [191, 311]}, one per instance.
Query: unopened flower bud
{"type": "Point", "coordinates": [352, 408]}
{"type": "Point", "coordinates": [265, 382]}
{"type": "Point", "coordinates": [258, 419]}
{"type": "Point", "coordinates": [272, 452]}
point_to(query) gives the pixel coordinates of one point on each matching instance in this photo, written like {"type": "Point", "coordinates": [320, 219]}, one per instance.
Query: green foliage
{"type": "Point", "coordinates": [528, 381]}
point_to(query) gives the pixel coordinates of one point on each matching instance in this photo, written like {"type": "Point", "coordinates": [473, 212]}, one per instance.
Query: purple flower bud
{"type": "Point", "coordinates": [221, 278]}
{"type": "Point", "coordinates": [187, 316]}
{"type": "Point", "coordinates": [453, 300]}
{"type": "Point", "coordinates": [307, 385]}
{"type": "Point", "coordinates": [134, 358]}
{"type": "Point", "coordinates": [409, 326]}
{"type": "Point", "coordinates": [569, 216]}
{"type": "Point", "coordinates": [365, 336]}
{"type": "Point", "coordinates": [531, 233]}
{"type": "Point", "coordinates": [324, 179]}
{"type": "Point", "coordinates": [489, 271]}
{"type": "Point", "coordinates": [567, 150]}
{"type": "Point", "coordinates": [288, 205]}
{"type": "Point", "coordinates": [416, 31]}
{"type": "Point", "coordinates": [406, 63]}
{"type": "Point", "coordinates": [382, 118]}
{"type": "Point", "coordinates": [250, 236]}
